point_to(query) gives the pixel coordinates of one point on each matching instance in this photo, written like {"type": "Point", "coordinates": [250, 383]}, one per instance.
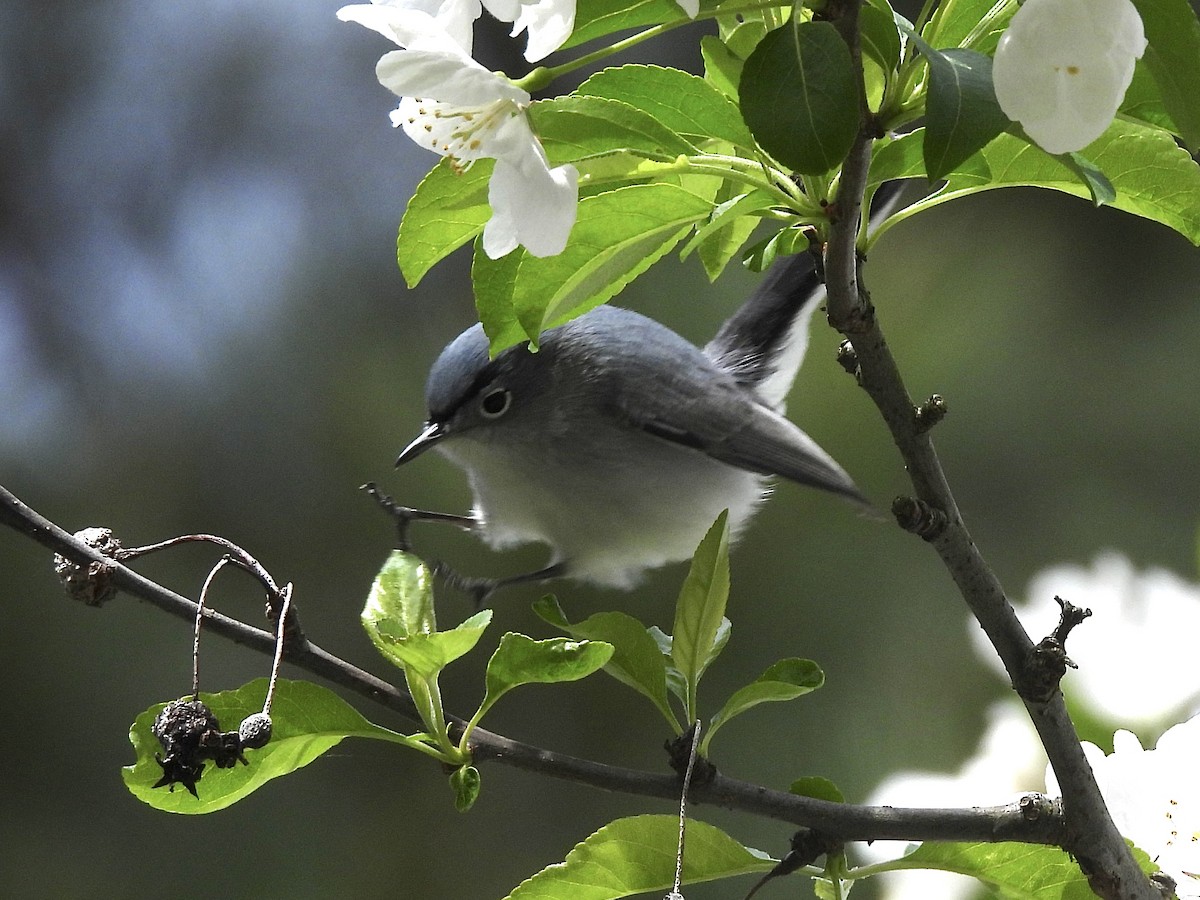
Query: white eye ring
{"type": "Point", "coordinates": [495, 403]}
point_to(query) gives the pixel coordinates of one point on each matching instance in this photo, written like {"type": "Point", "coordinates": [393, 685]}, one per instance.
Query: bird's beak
{"type": "Point", "coordinates": [430, 435]}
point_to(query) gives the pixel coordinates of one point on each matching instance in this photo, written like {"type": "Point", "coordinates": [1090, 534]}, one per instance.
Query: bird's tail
{"type": "Point", "coordinates": [763, 343]}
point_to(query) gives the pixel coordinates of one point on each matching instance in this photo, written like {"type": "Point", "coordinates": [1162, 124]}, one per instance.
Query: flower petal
{"type": "Point", "coordinates": [1062, 68]}
{"type": "Point", "coordinates": [532, 204]}
{"type": "Point", "coordinates": [445, 77]}
{"type": "Point", "coordinates": [412, 29]}
{"type": "Point", "coordinates": [548, 22]}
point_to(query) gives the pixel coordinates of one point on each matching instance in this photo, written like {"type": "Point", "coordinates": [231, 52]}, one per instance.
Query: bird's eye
{"type": "Point", "coordinates": [495, 403]}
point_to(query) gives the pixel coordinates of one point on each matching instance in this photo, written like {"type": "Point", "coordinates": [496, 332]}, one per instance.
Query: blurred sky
{"type": "Point", "coordinates": [202, 328]}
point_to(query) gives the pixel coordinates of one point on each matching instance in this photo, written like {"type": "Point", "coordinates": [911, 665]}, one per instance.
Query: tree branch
{"type": "Point", "coordinates": [1033, 819]}
{"type": "Point", "coordinates": [1092, 837]}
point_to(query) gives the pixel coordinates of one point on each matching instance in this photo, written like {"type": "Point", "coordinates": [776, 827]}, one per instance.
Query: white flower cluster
{"type": "Point", "coordinates": [452, 105]}
{"type": "Point", "coordinates": [1137, 667]}
{"type": "Point", "coordinates": [1062, 68]}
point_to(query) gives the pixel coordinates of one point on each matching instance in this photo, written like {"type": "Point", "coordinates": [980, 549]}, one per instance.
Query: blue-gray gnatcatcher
{"type": "Point", "coordinates": [618, 442]}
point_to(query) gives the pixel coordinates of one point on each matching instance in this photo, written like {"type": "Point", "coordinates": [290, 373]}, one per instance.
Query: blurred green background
{"type": "Point", "coordinates": [202, 328]}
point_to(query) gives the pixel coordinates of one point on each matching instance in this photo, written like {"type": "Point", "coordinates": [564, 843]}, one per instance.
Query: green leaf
{"type": "Point", "coordinates": [962, 114]}
{"type": "Point", "coordinates": [687, 105]}
{"type": "Point", "coordinates": [975, 24]}
{"type": "Point", "coordinates": [465, 782]}
{"type": "Point", "coordinates": [636, 661]}
{"type": "Point", "coordinates": [522, 660]}
{"type": "Point", "coordinates": [1143, 101]}
{"type": "Point", "coordinates": [722, 67]}
{"type": "Point", "coordinates": [700, 609]}
{"type": "Point", "coordinates": [400, 602]}
{"type": "Point", "coordinates": [307, 720]}
{"type": "Point", "coordinates": [742, 31]}
{"type": "Point", "coordinates": [1173, 58]}
{"type": "Point", "coordinates": [424, 655]}
{"type": "Point", "coordinates": [399, 619]}
{"type": "Point", "coordinates": [637, 855]}
{"type": "Point", "coordinates": [494, 281]}
{"type": "Point", "coordinates": [785, 242]}
{"type": "Point", "coordinates": [617, 236]}
{"type": "Point", "coordinates": [596, 18]}
{"type": "Point", "coordinates": [727, 230]}
{"type": "Point", "coordinates": [880, 38]}
{"type": "Point", "coordinates": [575, 127]}
{"type": "Point", "coordinates": [816, 787]}
{"type": "Point", "coordinates": [1153, 177]}
{"type": "Point", "coordinates": [1016, 871]}
{"type": "Point", "coordinates": [799, 96]}
{"type": "Point", "coordinates": [785, 680]}
{"type": "Point", "coordinates": [447, 210]}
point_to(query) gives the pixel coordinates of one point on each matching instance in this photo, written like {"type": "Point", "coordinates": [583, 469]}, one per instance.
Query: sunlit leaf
{"type": "Point", "coordinates": [686, 104]}
{"type": "Point", "coordinates": [447, 210]}
{"type": "Point", "coordinates": [816, 787]}
{"type": "Point", "coordinates": [1016, 871]}
{"type": "Point", "coordinates": [1173, 58]}
{"type": "Point", "coordinates": [307, 720]}
{"type": "Point", "coordinates": [596, 18]}
{"type": "Point", "coordinates": [399, 619]}
{"type": "Point", "coordinates": [1153, 177]}
{"type": "Point", "coordinates": [700, 608]}
{"type": "Point", "coordinates": [636, 660]}
{"type": "Point", "coordinates": [974, 24]}
{"type": "Point", "coordinates": [722, 67]}
{"type": "Point", "coordinates": [617, 236]}
{"type": "Point", "coordinates": [785, 680]}
{"type": "Point", "coordinates": [637, 855]}
{"type": "Point", "coordinates": [577, 127]}
{"type": "Point", "coordinates": [522, 660]}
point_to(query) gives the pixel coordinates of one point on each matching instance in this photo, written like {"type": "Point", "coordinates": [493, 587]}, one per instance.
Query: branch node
{"type": "Point", "coordinates": [679, 754]}
{"type": "Point", "coordinates": [920, 518]}
{"type": "Point", "coordinates": [930, 413]}
{"type": "Point", "coordinates": [1047, 661]}
{"type": "Point", "coordinates": [807, 846]}
{"type": "Point", "coordinates": [90, 583]}
{"type": "Point", "coordinates": [1036, 807]}
{"type": "Point", "coordinates": [847, 358]}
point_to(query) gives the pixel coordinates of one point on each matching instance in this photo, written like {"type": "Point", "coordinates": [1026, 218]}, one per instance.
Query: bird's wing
{"type": "Point", "coordinates": [720, 418]}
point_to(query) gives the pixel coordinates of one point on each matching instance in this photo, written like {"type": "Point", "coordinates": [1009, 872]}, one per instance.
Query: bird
{"type": "Point", "coordinates": [618, 442]}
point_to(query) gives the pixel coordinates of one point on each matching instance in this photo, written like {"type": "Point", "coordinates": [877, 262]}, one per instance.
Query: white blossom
{"type": "Point", "coordinates": [1154, 798]}
{"type": "Point", "coordinates": [459, 109]}
{"type": "Point", "coordinates": [1062, 68]}
{"type": "Point", "coordinates": [549, 22]}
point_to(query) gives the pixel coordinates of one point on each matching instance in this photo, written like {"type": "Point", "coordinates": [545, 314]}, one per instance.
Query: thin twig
{"type": "Point", "coordinates": [1011, 822]}
{"type": "Point", "coordinates": [280, 632]}
{"type": "Point", "coordinates": [221, 563]}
